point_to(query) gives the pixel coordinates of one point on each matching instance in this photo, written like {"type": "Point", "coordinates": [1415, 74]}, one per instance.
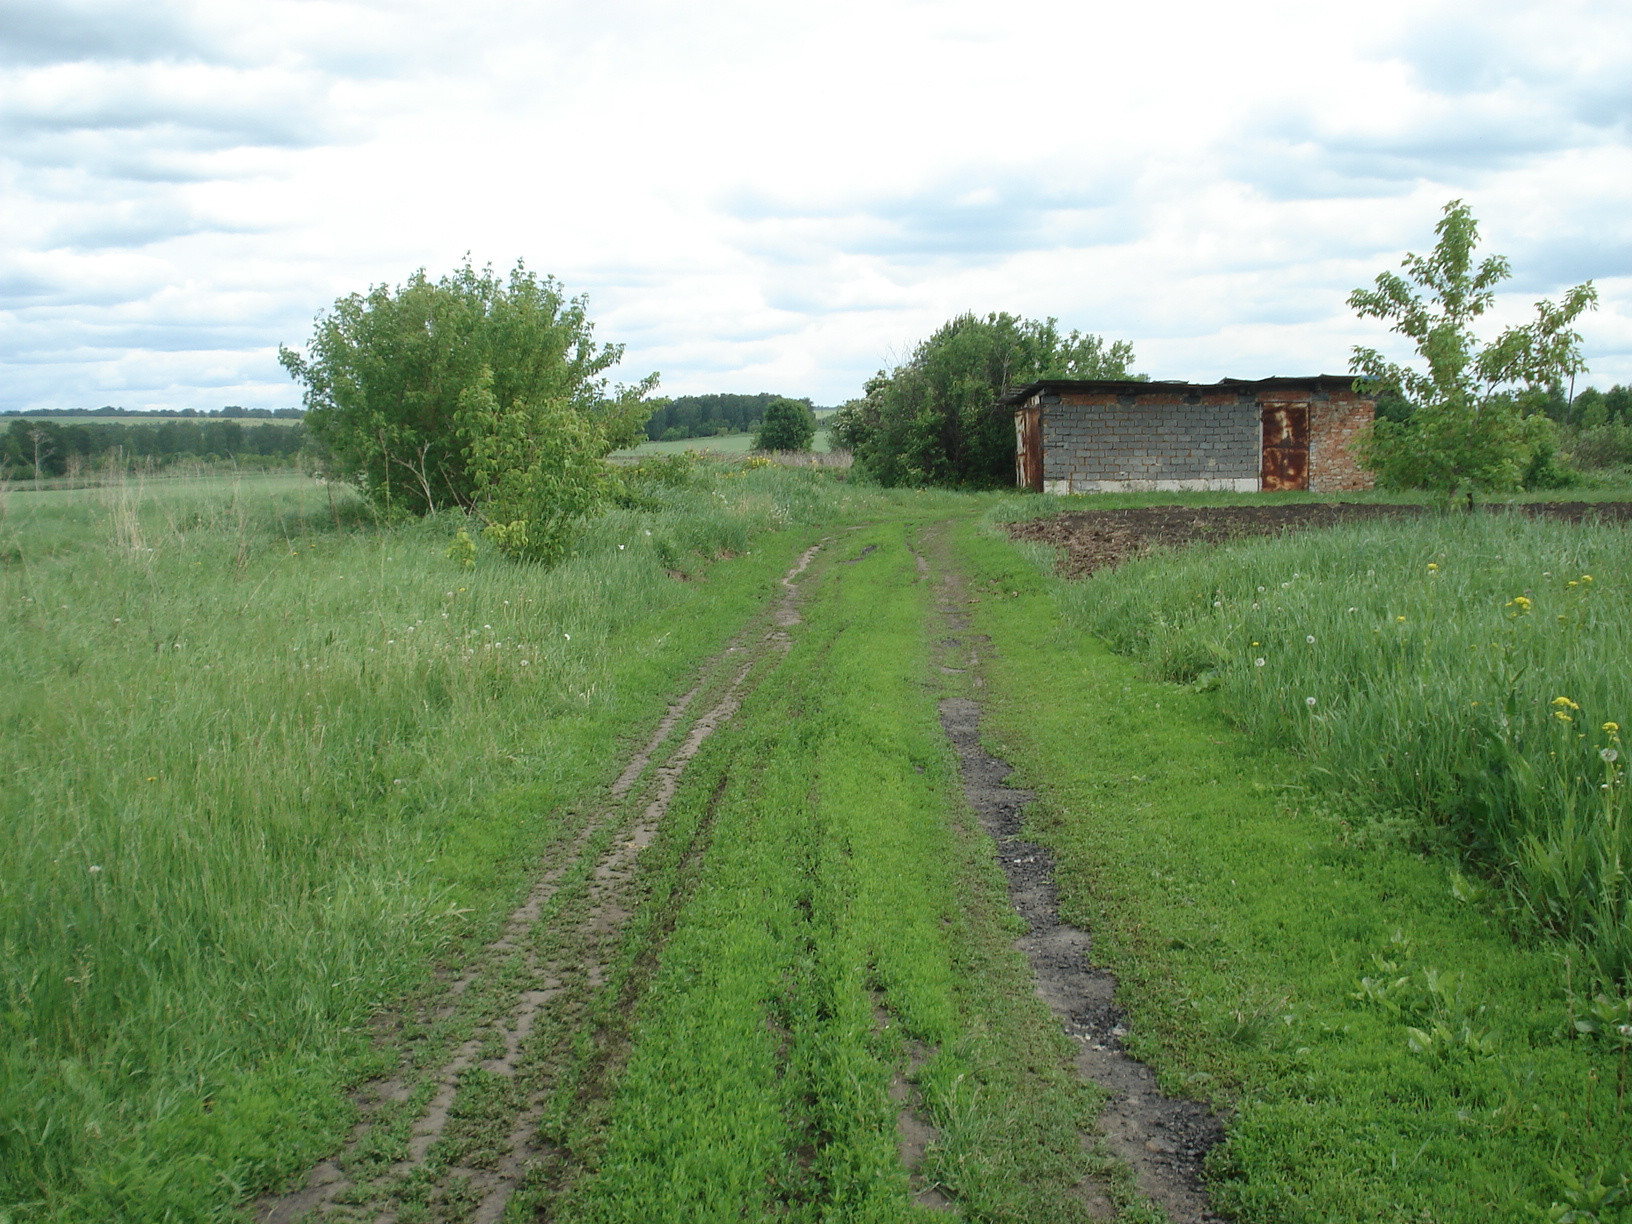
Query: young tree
{"type": "Point", "coordinates": [1474, 422]}
{"type": "Point", "coordinates": [936, 418]}
{"type": "Point", "coordinates": [788, 425]}
{"type": "Point", "coordinates": [385, 376]}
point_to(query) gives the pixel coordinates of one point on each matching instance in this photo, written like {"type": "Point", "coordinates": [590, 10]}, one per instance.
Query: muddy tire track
{"type": "Point", "coordinates": [1163, 1139]}
{"type": "Point", "coordinates": [592, 889]}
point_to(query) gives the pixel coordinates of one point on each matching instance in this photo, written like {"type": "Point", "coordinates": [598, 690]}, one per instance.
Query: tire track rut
{"type": "Point", "coordinates": [1163, 1139]}
{"type": "Point", "coordinates": [503, 1062]}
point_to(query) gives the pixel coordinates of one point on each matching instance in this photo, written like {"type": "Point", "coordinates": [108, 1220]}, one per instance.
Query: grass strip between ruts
{"type": "Point", "coordinates": [831, 924]}
{"type": "Point", "coordinates": [1276, 967]}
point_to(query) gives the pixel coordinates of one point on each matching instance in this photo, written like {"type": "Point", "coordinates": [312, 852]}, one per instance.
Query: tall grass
{"type": "Point", "coordinates": [1470, 669]}
{"type": "Point", "coordinates": [264, 762]}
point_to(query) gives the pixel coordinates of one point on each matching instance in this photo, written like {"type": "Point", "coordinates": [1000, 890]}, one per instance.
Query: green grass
{"type": "Point", "coordinates": [845, 908]}
{"type": "Point", "coordinates": [264, 772]}
{"type": "Point", "coordinates": [1449, 670]}
{"type": "Point", "coordinates": [727, 444]}
{"type": "Point", "coordinates": [1273, 956]}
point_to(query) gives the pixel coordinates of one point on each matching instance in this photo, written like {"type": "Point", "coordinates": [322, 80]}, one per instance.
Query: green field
{"type": "Point", "coordinates": [645, 888]}
{"type": "Point", "coordinates": [728, 444]}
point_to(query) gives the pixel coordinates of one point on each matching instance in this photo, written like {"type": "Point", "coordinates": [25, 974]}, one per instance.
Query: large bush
{"type": "Point", "coordinates": [936, 419]}
{"type": "Point", "coordinates": [385, 376]}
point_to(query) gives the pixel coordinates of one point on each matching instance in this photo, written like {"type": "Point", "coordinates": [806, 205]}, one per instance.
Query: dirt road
{"type": "Point", "coordinates": [540, 1080]}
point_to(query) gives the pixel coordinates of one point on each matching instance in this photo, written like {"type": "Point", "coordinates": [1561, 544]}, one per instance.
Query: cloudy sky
{"type": "Point", "coordinates": [776, 196]}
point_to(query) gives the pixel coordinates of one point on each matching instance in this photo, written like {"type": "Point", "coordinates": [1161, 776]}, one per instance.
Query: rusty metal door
{"type": "Point", "coordinates": [1286, 447]}
{"type": "Point", "coordinates": [1028, 448]}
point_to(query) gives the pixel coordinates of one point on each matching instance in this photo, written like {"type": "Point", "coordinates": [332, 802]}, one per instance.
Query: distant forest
{"type": "Point", "coordinates": [232, 412]}
{"type": "Point", "coordinates": [708, 416]}
{"type": "Point", "coordinates": [30, 448]}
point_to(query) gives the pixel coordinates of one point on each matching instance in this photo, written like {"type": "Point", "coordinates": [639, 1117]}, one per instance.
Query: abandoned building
{"type": "Point", "coordinates": [1110, 436]}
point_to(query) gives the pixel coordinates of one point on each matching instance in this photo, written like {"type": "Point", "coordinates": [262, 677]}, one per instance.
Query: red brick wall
{"type": "Point", "coordinates": [1333, 425]}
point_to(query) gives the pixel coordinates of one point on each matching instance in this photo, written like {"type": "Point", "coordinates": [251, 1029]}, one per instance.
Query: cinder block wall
{"type": "Point", "coordinates": [1188, 437]}
{"type": "Point", "coordinates": [1334, 421]}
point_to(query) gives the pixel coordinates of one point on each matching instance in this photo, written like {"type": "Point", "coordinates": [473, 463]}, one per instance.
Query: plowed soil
{"type": "Point", "coordinates": [1091, 540]}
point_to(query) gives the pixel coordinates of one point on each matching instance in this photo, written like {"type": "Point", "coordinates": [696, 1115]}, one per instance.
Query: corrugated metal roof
{"type": "Point", "coordinates": [1117, 386]}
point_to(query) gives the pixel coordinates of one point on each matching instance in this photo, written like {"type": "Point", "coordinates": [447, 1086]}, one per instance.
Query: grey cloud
{"type": "Point", "coordinates": [1455, 56]}
{"type": "Point", "coordinates": [42, 33]}
{"type": "Point", "coordinates": [954, 218]}
{"type": "Point", "coordinates": [34, 130]}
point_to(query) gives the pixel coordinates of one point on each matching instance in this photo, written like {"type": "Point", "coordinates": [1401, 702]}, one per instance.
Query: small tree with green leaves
{"type": "Point", "coordinates": [1474, 422]}
{"type": "Point", "coordinates": [788, 425]}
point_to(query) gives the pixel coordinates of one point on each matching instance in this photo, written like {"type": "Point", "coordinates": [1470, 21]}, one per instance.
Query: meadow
{"type": "Point", "coordinates": [268, 763]}
{"type": "Point", "coordinates": [725, 444]}
{"type": "Point", "coordinates": [1447, 678]}
{"type": "Point", "coordinates": [281, 771]}
{"type": "Point", "coordinates": [1392, 1035]}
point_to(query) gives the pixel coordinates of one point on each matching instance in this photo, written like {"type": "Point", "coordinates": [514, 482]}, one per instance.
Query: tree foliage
{"type": "Point", "coordinates": [788, 425]}
{"type": "Point", "coordinates": [422, 393]}
{"type": "Point", "coordinates": [708, 416]}
{"type": "Point", "coordinates": [936, 418]}
{"type": "Point", "coordinates": [1474, 421]}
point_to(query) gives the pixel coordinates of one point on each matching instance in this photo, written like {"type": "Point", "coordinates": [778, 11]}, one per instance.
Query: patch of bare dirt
{"type": "Point", "coordinates": [1092, 540]}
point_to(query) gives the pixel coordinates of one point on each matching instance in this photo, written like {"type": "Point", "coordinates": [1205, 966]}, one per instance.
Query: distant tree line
{"type": "Point", "coordinates": [231, 412]}
{"type": "Point", "coordinates": [30, 448]}
{"type": "Point", "coordinates": [708, 416]}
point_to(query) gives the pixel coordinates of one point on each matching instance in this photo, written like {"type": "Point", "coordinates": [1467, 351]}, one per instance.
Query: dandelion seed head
{"type": "Point", "coordinates": [568, 636]}
{"type": "Point", "coordinates": [1310, 639]}
{"type": "Point", "coordinates": [1310, 702]}
{"type": "Point", "coordinates": [95, 870]}
{"type": "Point", "coordinates": [1609, 754]}
{"type": "Point", "coordinates": [1259, 662]}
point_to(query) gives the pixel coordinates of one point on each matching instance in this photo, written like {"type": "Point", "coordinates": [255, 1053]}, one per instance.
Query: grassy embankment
{"type": "Point", "coordinates": [845, 925]}
{"type": "Point", "coordinates": [266, 765]}
{"type": "Point", "coordinates": [1395, 1041]}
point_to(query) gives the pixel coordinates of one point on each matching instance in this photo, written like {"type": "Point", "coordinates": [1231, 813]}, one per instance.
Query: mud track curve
{"type": "Point", "coordinates": [601, 856]}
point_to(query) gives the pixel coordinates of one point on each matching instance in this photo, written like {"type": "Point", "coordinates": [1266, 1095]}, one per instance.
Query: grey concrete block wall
{"type": "Point", "coordinates": [1151, 439]}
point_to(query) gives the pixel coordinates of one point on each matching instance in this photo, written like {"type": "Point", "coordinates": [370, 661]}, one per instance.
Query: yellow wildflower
{"type": "Point", "coordinates": [1562, 717]}
{"type": "Point", "coordinates": [1521, 602]}
{"type": "Point", "coordinates": [1612, 727]}
{"type": "Point", "coordinates": [1565, 703]}
{"type": "Point", "coordinates": [1432, 566]}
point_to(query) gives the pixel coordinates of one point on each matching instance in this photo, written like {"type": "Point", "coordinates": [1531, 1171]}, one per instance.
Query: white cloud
{"type": "Point", "coordinates": [764, 197]}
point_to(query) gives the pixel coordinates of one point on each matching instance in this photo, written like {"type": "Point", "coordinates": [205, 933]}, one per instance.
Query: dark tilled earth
{"type": "Point", "coordinates": [1092, 540]}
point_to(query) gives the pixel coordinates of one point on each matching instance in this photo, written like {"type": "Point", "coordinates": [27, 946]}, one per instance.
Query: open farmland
{"type": "Point", "coordinates": [677, 883]}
